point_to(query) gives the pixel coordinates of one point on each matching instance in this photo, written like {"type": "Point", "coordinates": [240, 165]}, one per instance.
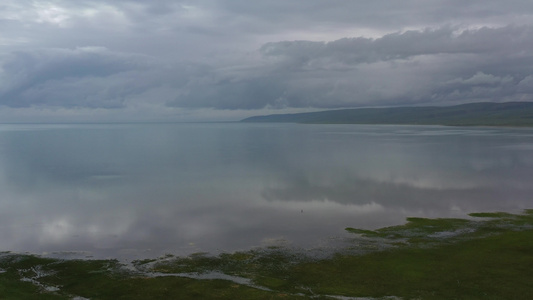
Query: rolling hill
{"type": "Point", "coordinates": [472, 114]}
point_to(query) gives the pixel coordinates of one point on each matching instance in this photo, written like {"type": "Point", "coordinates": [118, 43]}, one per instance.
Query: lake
{"type": "Point", "coordinates": [142, 190]}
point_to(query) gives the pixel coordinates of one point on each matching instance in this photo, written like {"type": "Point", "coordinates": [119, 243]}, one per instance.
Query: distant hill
{"type": "Point", "coordinates": [472, 114]}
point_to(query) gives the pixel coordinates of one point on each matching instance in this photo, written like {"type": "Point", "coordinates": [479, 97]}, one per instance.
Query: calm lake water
{"type": "Point", "coordinates": [143, 190]}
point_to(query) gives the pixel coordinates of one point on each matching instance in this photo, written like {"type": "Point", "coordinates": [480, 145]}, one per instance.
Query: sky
{"type": "Point", "coordinates": [224, 60]}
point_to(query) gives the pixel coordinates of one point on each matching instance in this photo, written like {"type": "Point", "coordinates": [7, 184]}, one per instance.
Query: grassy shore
{"type": "Point", "coordinates": [489, 256]}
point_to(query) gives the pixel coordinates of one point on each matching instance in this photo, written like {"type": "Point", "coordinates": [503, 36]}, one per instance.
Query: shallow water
{"type": "Point", "coordinates": [142, 190]}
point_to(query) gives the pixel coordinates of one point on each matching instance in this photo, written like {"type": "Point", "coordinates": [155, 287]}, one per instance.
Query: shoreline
{"type": "Point", "coordinates": [486, 245]}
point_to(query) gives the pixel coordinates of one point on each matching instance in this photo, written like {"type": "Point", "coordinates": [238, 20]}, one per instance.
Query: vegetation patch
{"type": "Point", "coordinates": [492, 215]}
{"type": "Point", "coordinates": [487, 257]}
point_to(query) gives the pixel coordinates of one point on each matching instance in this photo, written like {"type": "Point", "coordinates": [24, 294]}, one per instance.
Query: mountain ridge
{"type": "Point", "coordinates": [471, 114]}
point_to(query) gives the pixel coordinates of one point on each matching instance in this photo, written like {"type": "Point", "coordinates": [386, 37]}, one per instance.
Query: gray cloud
{"type": "Point", "coordinates": [446, 40]}
{"type": "Point", "coordinates": [87, 77]}
{"type": "Point", "coordinates": [445, 65]}
{"type": "Point", "coordinates": [240, 55]}
{"type": "Point", "coordinates": [91, 77]}
{"type": "Point", "coordinates": [379, 15]}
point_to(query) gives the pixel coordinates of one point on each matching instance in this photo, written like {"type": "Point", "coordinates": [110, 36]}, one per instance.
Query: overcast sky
{"type": "Point", "coordinates": [178, 60]}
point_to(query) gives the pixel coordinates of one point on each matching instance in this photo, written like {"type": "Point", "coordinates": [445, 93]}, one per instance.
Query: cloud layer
{"type": "Point", "coordinates": [185, 60]}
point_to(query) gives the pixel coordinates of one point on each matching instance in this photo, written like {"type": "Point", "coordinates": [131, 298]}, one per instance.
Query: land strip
{"type": "Point", "coordinates": [487, 256]}
{"type": "Point", "coordinates": [472, 114]}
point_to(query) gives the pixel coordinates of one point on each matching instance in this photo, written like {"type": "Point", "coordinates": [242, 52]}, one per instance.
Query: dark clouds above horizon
{"type": "Point", "coordinates": [130, 60]}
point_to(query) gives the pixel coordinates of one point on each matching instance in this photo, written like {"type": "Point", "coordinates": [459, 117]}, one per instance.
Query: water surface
{"type": "Point", "coordinates": [142, 190]}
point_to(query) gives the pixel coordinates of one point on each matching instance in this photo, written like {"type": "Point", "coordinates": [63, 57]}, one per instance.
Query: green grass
{"type": "Point", "coordinates": [487, 257]}
{"type": "Point", "coordinates": [104, 279]}
{"type": "Point", "coordinates": [496, 267]}
{"type": "Point", "coordinates": [416, 228]}
{"type": "Point", "coordinates": [492, 215]}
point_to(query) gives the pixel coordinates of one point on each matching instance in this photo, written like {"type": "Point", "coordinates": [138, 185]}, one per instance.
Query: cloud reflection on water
{"type": "Point", "coordinates": [145, 190]}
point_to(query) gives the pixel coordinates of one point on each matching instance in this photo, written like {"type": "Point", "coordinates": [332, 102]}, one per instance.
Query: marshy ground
{"type": "Point", "coordinates": [488, 256]}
